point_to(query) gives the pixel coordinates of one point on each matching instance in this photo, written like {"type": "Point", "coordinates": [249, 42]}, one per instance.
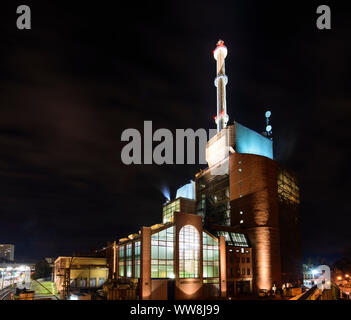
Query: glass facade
{"type": "Point", "coordinates": [234, 239]}
{"type": "Point", "coordinates": [121, 261]}
{"type": "Point", "coordinates": [189, 252]}
{"type": "Point", "coordinates": [137, 259]}
{"type": "Point", "coordinates": [129, 261]}
{"type": "Point", "coordinates": [213, 199]}
{"type": "Point", "coordinates": [169, 209]}
{"type": "Point", "coordinates": [210, 250]}
{"type": "Point", "coordinates": [288, 190]}
{"type": "Point", "coordinates": [162, 254]}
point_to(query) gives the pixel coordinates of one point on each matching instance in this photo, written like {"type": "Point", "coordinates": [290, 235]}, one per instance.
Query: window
{"type": "Point", "coordinates": [247, 260]}
{"type": "Point", "coordinates": [73, 283]}
{"type": "Point", "coordinates": [210, 253]}
{"type": "Point", "coordinates": [92, 282]}
{"type": "Point", "coordinates": [189, 252]}
{"type": "Point", "coordinates": [83, 283]}
{"type": "Point", "coordinates": [233, 238]}
{"type": "Point", "coordinates": [129, 260]}
{"type": "Point", "coordinates": [238, 259]}
{"type": "Point", "coordinates": [243, 259]}
{"type": "Point", "coordinates": [162, 255]}
{"type": "Point", "coordinates": [101, 281]}
{"type": "Point", "coordinates": [121, 261]}
{"type": "Point", "coordinates": [248, 271]}
{"type": "Point", "coordinates": [243, 271]}
{"type": "Point", "coordinates": [169, 209]}
{"type": "Point", "coordinates": [288, 190]}
{"type": "Point", "coordinates": [137, 248]}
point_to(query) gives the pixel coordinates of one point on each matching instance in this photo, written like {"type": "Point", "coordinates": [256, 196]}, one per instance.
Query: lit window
{"type": "Point", "coordinates": [101, 281]}
{"type": "Point", "coordinates": [92, 282]}
{"type": "Point", "coordinates": [137, 259]}
{"type": "Point", "coordinates": [162, 245]}
{"type": "Point", "coordinates": [210, 256]}
{"type": "Point", "coordinates": [121, 261]}
{"type": "Point", "coordinates": [169, 209]}
{"type": "Point", "coordinates": [129, 260]}
{"type": "Point", "coordinates": [189, 252]}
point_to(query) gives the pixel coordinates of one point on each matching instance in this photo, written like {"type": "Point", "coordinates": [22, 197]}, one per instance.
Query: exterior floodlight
{"type": "Point", "coordinates": [269, 128]}
{"type": "Point", "coordinates": [314, 271]}
{"type": "Point", "coordinates": [268, 114]}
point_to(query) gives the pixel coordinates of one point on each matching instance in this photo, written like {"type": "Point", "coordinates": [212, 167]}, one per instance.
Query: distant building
{"type": "Point", "coordinates": [7, 252]}
{"type": "Point", "coordinates": [75, 273]}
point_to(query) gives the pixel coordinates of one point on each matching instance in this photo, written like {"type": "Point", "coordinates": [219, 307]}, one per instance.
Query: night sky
{"type": "Point", "coordinates": [88, 71]}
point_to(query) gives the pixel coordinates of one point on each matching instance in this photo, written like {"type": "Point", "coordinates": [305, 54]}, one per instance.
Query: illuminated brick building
{"type": "Point", "coordinates": [245, 190]}
{"type": "Point", "coordinates": [235, 229]}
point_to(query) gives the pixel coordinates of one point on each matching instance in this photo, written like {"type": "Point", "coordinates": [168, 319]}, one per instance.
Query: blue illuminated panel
{"type": "Point", "coordinates": [249, 141]}
{"type": "Point", "coordinates": [187, 191]}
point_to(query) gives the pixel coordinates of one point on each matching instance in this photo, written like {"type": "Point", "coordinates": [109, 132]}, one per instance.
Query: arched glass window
{"type": "Point", "coordinates": [189, 252]}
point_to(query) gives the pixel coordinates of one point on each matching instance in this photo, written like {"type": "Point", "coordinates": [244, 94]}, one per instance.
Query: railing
{"type": "Point", "coordinates": [315, 293]}
{"type": "Point", "coordinates": [311, 294]}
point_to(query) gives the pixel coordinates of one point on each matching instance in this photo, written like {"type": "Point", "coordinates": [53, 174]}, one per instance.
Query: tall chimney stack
{"type": "Point", "coordinates": [219, 53]}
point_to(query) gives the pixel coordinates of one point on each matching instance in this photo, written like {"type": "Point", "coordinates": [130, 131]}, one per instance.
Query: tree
{"type": "Point", "coordinates": [42, 270]}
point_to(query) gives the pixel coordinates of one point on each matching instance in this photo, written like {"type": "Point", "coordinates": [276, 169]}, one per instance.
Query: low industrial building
{"type": "Point", "coordinates": [177, 259]}
{"type": "Point", "coordinates": [79, 273]}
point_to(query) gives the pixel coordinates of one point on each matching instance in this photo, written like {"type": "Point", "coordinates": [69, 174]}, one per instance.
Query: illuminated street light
{"type": "Point", "coordinates": [339, 278]}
